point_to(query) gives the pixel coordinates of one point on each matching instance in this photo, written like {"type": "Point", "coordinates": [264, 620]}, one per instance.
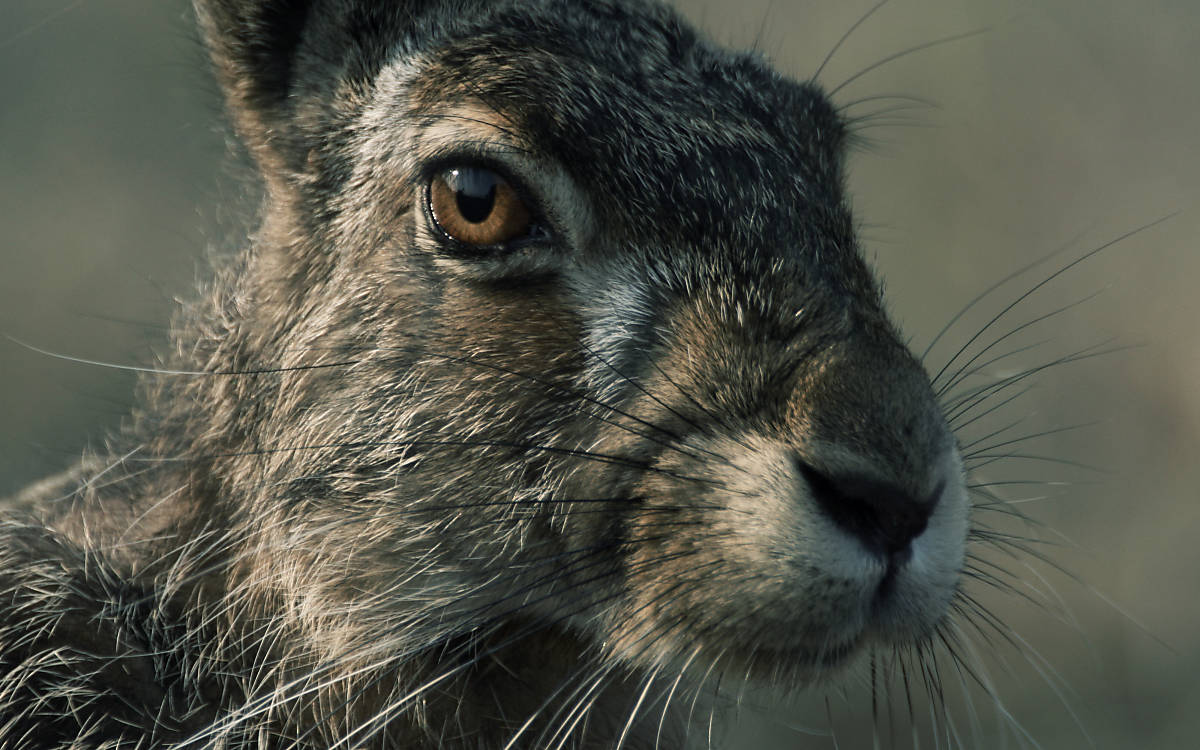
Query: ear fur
{"type": "Point", "coordinates": [254, 45]}
{"type": "Point", "coordinates": [280, 60]}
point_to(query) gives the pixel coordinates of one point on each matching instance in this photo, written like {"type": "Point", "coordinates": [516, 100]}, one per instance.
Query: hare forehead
{"type": "Point", "coordinates": [675, 168]}
{"type": "Point", "coordinates": [670, 117]}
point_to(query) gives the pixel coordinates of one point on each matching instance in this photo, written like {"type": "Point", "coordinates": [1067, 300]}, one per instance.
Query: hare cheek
{"type": "Point", "coordinates": [616, 304]}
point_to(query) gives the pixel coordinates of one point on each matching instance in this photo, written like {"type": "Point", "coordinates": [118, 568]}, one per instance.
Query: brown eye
{"type": "Point", "coordinates": [476, 206]}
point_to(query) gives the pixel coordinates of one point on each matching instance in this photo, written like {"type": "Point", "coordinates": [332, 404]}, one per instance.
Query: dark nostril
{"type": "Point", "coordinates": [885, 517]}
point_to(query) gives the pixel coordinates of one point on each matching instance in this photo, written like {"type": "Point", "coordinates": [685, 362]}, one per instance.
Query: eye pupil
{"type": "Point", "coordinates": [474, 192]}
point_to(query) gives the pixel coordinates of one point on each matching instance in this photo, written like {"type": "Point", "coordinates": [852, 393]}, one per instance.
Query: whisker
{"type": "Point", "coordinates": [969, 453]}
{"type": "Point", "coordinates": [353, 445]}
{"type": "Point", "coordinates": [842, 39]}
{"type": "Point", "coordinates": [959, 406]}
{"type": "Point", "coordinates": [987, 292]}
{"type": "Point", "coordinates": [906, 53]}
{"type": "Point", "coordinates": [174, 372]}
{"type": "Point", "coordinates": [964, 371]}
{"type": "Point", "coordinates": [1032, 290]}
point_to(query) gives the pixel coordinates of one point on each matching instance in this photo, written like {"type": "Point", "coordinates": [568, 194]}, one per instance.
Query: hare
{"type": "Point", "coordinates": [552, 387]}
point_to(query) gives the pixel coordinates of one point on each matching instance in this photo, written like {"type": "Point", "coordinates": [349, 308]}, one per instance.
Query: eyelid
{"type": "Point", "coordinates": [517, 178]}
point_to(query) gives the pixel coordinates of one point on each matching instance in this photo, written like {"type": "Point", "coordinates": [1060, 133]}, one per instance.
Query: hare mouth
{"type": "Point", "coordinates": [828, 657]}
{"type": "Point", "coordinates": [796, 667]}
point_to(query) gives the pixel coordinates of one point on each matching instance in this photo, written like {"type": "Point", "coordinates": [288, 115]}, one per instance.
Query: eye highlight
{"type": "Point", "coordinates": [476, 206]}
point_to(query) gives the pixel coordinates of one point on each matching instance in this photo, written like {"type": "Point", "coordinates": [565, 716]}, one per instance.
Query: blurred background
{"type": "Point", "coordinates": [1063, 125]}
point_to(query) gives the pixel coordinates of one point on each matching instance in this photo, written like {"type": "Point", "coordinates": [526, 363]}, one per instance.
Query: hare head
{"type": "Point", "coordinates": [619, 369]}
{"type": "Point", "coordinates": [554, 367]}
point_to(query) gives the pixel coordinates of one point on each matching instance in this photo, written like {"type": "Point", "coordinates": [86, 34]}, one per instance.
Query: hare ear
{"type": "Point", "coordinates": [254, 45]}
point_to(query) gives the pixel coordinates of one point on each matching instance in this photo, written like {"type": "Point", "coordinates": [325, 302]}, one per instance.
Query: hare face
{"type": "Point", "coordinates": [661, 408]}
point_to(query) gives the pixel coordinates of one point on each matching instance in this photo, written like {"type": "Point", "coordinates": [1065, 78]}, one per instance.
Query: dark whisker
{"type": "Point", "coordinates": [959, 406]}
{"type": "Point", "coordinates": [965, 370]}
{"type": "Point", "coordinates": [844, 37]}
{"type": "Point", "coordinates": [970, 450]}
{"type": "Point", "coordinates": [1032, 290]}
{"type": "Point", "coordinates": [906, 53]}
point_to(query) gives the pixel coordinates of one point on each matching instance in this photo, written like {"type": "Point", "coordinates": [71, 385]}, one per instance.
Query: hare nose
{"type": "Point", "coordinates": [883, 516]}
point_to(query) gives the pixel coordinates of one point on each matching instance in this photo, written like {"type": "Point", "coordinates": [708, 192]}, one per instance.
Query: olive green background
{"type": "Point", "coordinates": [1064, 124]}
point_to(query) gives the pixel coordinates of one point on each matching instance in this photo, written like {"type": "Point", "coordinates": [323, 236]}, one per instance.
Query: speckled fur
{"type": "Point", "coordinates": [390, 497]}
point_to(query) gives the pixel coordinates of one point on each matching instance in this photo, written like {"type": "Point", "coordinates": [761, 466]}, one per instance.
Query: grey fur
{"type": "Point", "coordinates": [395, 494]}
